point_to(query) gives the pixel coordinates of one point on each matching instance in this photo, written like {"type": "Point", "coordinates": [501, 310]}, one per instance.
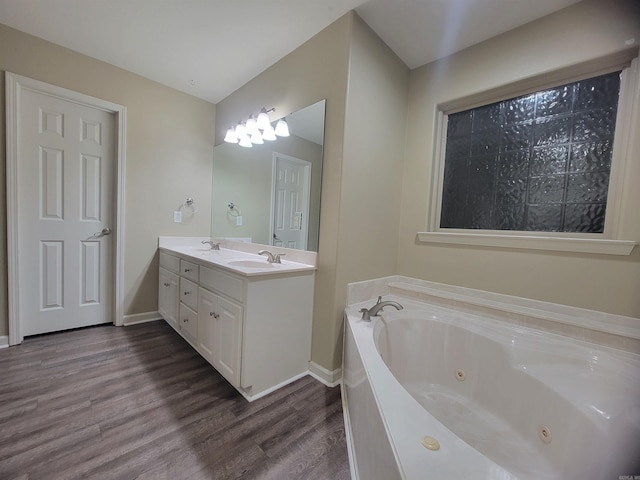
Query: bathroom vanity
{"type": "Point", "coordinates": [250, 319]}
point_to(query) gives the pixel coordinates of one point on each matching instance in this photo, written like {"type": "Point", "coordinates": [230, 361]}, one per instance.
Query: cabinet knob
{"type": "Point", "coordinates": [187, 293]}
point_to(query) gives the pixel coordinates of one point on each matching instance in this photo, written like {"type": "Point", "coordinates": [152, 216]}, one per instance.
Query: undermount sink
{"type": "Point", "coordinates": [250, 264]}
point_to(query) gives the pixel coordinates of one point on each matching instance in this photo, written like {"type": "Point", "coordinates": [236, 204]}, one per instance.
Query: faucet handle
{"type": "Point", "coordinates": [278, 255]}
{"type": "Point", "coordinates": [365, 314]}
{"type": "Point", "coordinates": [379, 299]}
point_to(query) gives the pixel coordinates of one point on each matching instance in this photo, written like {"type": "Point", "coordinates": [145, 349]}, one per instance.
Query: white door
{"type": "Point", "coordinates": [66, 170]}
{"type": "Point", "coordinates": [291, 190]}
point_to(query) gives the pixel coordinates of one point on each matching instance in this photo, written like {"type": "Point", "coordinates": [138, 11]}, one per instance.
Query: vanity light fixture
{"type": "Point", "coordinates": [263, 121]}
{"type": "Point", "coordinates": [282, 129]}
{"type": "Point", "coordinates": [256, 130]}
{"type": "Point", "coordinates": [231, 136]}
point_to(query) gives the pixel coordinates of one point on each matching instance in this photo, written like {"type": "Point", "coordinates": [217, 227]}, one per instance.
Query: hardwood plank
{"type": "Point", "coordinates": [138, 402]}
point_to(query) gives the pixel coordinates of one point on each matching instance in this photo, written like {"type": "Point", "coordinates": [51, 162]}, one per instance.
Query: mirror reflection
{"type": "Point", "coordinates": [270, 193]}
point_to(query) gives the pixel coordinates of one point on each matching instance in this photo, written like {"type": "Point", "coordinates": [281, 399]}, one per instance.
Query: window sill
{"type": "Point", "coordinates": [556, 244]}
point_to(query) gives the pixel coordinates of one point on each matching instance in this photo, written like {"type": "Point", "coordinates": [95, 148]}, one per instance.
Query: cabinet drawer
{"type": "Point", "coordinates": [189, 293]}
{"type": "Point", "coordinates": [222, 282]}
{"type": "Point", "coordinates": [188, 321]}
{"type": "Point", "coordinates": [170, 262]}
{"type": "Point", "coordinates": [189, 270]}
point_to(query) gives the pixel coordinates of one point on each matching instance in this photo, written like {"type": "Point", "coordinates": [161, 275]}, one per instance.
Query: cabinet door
{"type": "Point", "coordinates": [188, 322]}
{"type": "Point", "coordinates": [207, 306]}
{"type": "Point", "coordinates": [228, 337]}
{"type": "Point", "coordinates": [220, 333]}
{"type": "Point", "coordinates": [168, 297]}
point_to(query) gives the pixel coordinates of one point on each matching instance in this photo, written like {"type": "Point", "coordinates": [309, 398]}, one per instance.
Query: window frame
{"type": "Point", "coordinates": [607, 242]}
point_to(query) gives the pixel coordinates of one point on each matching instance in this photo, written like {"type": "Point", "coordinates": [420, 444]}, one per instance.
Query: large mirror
{"type": "Point", "coordinates": [270, 193]}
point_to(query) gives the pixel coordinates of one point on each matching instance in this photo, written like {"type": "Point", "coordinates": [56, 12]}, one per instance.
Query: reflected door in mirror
{"type": "Point", "coordinates": [291, 190]}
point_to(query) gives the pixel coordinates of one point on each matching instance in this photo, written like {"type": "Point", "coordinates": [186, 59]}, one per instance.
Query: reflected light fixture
{"type": "Point", "coordinates": [256, 138]}
{"type": "Point", "coordinates": [269, 134]}
{"type": "Point", "coordinates": [245, 142]}
{"type": "Point", "coordinates": [252, 126]}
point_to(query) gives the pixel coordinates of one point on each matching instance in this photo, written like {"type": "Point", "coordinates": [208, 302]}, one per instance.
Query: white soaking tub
{"type": "Point", "coordinates": [502, 400]}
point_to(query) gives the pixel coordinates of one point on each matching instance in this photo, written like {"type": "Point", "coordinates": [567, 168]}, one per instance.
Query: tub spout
{"type": "Point", "coordinates": [373, 311]}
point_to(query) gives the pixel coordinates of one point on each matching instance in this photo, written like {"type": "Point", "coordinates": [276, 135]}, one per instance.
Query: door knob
{"type": "Point", "coordinates": [103, 232]}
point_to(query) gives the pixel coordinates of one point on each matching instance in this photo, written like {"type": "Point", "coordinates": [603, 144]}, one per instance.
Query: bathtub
{"type": "Point", "coordinates": [503, 401]}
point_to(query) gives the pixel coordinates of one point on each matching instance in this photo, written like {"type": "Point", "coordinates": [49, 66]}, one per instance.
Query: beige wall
{"type": "Point", "coordinates": [580, 33]}
{"type": "Point", "coordinates": [374, 140]}
{"type": "Point", "coordinates": [364, 83]}
{"type": "Point", "coordinates": [168, 156]}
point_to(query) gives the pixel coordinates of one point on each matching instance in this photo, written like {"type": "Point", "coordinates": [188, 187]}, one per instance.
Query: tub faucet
{"type": "Point", "coordinates": [214, 246]}
{"type": "Point", "coordinates": [367, 313]}
{"type": "Point", "coordinates": [271, 258]}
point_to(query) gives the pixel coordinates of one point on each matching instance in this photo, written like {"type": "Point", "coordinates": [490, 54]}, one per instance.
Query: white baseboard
{"type": "Point", "coordinates": [328, 377]}
{"type": "Point", "coordinates": [251, 398]}
{"type": "Point", "coordinates": [141, 318]}
{"type": "Point", "coordinates": [4, 342]}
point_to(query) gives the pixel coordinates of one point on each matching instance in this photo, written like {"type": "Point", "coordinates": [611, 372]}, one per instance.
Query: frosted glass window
{"type": "Point", "coordinates": [538, 162]}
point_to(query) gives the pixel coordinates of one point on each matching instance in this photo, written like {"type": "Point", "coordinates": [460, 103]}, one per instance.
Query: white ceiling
{"type": "Point", "coordinates": [209, 48]}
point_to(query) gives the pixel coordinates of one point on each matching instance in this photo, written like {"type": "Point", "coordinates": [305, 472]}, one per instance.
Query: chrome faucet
{"type": "Point", "coordinates": [271, 258]}
{"type": "Point", "coordinates": [367, 313]}
{"type": "Point", "coordinates": [214, 246]}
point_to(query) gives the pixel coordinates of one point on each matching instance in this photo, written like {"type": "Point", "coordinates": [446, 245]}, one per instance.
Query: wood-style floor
{"type": "Point", "coordinates": [139, 403]}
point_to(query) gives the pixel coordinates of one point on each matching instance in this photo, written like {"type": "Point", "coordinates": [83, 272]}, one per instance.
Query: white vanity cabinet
{"type": "Point", "coordinates": [178, 296]}
{"type": "Point", "coordinates": [168, 285]}
{"type": "Point", "coordinates": [254, 329]}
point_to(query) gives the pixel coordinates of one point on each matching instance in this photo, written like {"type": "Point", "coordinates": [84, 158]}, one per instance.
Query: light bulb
{"type": "Point", "coordinates": [252, 126]}
{"type": "Point", "coordinates": [282, 129]}
{"type": "Point", "coordinates": [263, 120]}
{"type": "Point", "coordinates": [256, 138]}
{"type": "Point", "coordinates": [269, 134]}
{"type": "Point", "coordinates": [245, 142]}
{"type": "Point", "coordinates": [231, 136]}
{"type": "Point", "coordinates": [241, 130]}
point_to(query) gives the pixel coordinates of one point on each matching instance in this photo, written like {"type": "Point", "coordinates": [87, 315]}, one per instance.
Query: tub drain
{"type": "Point", "coordinates": [430, 443]}
{"type": "Point", "coordinates": [544, 433]}
{"type": "Point", "coordinates": [460, 375]}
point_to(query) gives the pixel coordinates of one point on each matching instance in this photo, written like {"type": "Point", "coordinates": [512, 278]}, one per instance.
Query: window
{"type": "Point", "coordinates": [538, 164]}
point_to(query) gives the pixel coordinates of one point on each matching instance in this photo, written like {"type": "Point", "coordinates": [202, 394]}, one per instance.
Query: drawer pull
{"type": "Point", "coordinates": [187, 270]}
{"type": "Point", "coordinates": [167, 284]}
{"type": "Point", "coordinates": [187, 293]}
{"type": "Point", "coordinates": [214, 315]}
{"type": "Point", "coordinates": [185, 320]}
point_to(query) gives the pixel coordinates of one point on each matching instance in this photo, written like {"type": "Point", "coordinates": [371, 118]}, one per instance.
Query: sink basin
{"type": "Point", "coordinates": [250, 264]}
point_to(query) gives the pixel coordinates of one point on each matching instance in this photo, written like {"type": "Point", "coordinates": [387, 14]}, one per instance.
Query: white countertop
{"type": "Point", "coordinates": [237, 261]}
